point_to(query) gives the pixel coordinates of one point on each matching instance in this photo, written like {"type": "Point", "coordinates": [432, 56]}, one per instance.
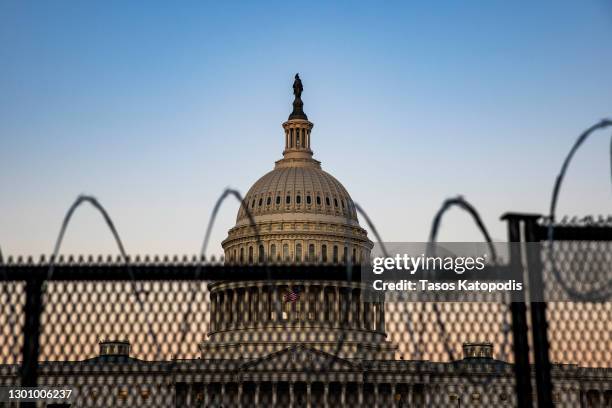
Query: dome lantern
{"type": "Point", "coordinates": [297, 129]}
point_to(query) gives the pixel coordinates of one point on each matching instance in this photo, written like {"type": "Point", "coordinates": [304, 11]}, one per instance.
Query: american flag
{"type": "Point", "coordinates": [292, 295]}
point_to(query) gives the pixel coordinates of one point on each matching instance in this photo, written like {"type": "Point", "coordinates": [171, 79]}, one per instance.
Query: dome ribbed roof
{"type": "Point", "coordinates": [299, 189]}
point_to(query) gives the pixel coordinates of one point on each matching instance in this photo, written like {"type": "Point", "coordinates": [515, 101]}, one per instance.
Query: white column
{"type": "Point", "coordinates": [213, 309]}
{"type": "Point", "coordinates": [326, 395]}
{"type": "Point", "coordinates": [359, 308]}
{"type": "Point", "coordinates": [241, 306]}
{"type": "Point", "coordinates": [247, 313]}
{"type": "Point", "coordinates": [223, 394]}
{"type": "Point", "coordinates": [234, 307]}
{"type": "Point", "coordinates": [188, 396]}
{"type": "Point", "coordinates": [227, 312]}
{"type": "Point", "coordinates": [337, 306]}
{"type": "Point", "coordinates": [256, 394]}
{"type": "Point", "coordinates": [260, 305]}
{"type": "Point", "coordinates": [307, 299]}
{"type": "Point", "coordinates": [239, 395]}
{"type": "Point", "coordinates": [273, 394]}
{"type": "Point", "coordinates": [393, 391]}
{"type": "Point", "coordinates": [376, 402]}
{"type": "Point", "coordinates": [221, 316]}
{"type": "Point", "coordinates": [379, 319]}
{"type": "Point", "coordinates": [350, 318]}
{"type": "Point", "coordinates": [360, 394]}
{"type": "Point", "coordinates": [322, 304]}
{"type": "Point", "coordinates": [308, 395]}
{"type": "Point", "coordinates": [342, 394]}
{"type": "Point", "coordinates": [206, 388]}
{"type": "Point", "coordinates": [220, 310]}
{"type": "Point", "coordinates": [410, 395]}
{"type": "Point", "coordinates": [382, 314]}
{"type": "Point", "coordinates": [277, 303]}
{"type": "Point", "coordinates": [291, 394]}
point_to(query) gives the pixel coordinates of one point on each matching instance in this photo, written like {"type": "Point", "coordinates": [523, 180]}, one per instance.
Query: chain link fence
{"type": "Point", "coordinates": [188, 333]}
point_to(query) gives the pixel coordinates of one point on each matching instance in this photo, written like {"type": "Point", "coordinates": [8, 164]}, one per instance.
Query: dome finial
{"type": "Point", "coordinates": [298, 105]}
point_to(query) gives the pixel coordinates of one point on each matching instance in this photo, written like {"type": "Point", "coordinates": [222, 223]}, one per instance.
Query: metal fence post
{"type": "Point", "coordinates": [522, 370]}
{"type": "Point", "coordinates": [539, 324]}
{"type": "Point", "coordinates": [31, 333]}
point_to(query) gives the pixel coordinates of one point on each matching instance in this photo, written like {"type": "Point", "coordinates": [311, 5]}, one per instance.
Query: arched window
{"type": "Point", "coordinates": [241, 255]}
{"type": "Point", "coordinates": [335, 258]}
{"type": "Point", "coordinates": [308, 200]}
{"type": "Point", "coordinates": [260, 201]}
{"type": "Point", "coordinates": [311, 253]}
{"type": "Point", "coordinates": [286, 256]}
{"type": "Point", "coordinates": [250, 254]}
{"type": "Point", "coordinates": [261, 254]}
{"type": "Point", "coordinates": [277, 200]}
{"type": "Point", "coordinates": [345, 254]}
{"type": "Point", "coordinates": [354, 259]}
{"type": "Point", "coordinates": [298, 199]}
{"type": "Point", "coordinates": [298, 253]}
{"type": "Point", "coordinates": [253, 204]}
{"type": "Point", "coordinates": [288, 199]}
{"type": "Point", "coordinates": [324, 253]}
{"type": "Point", "coordinates": [327, 200]}
{"type": "Point", "coordinates": [297, 139]}
{"type": "Point", "coordinates": [335, 202]}
{"type": "Point", "coordinates": [342, 201]}
{"type": "Point", "coordinates": [318, 200]}
{"type": "Point", "coordinates": [269, 201]}
{"type": "Point", "coordinates": [273, 252]}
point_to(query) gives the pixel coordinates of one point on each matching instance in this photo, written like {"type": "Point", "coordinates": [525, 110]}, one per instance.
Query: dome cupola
{"type": "Point", "coordinates": [297, 132]}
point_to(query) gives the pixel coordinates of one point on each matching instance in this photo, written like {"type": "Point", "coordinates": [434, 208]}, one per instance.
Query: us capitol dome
{"type": "Point", "coordinates": [296, 214]}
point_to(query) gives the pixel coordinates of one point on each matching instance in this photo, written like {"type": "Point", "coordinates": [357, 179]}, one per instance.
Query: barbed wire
{"type": "Point", "coordinates": [460, 202]}
{"type": "Point", "coordinates": [109, 222]}
{"type": "Point", "coordinates": [596, 295]}
{"type": "Point", "coordinates": [227, 192]}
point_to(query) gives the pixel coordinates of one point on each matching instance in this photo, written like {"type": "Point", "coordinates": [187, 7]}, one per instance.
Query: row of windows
{"type": "Point", "coordinates": [282, 253]}
{"type": "Point", "coordinates": [298, 200]}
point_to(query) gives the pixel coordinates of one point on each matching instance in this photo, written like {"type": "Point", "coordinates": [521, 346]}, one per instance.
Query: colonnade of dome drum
{"type": "Point", "coordinates": [242, 305]}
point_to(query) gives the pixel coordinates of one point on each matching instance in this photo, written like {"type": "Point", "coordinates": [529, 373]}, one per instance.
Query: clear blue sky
{"type": "Point", "coordinates": [155, 107]}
